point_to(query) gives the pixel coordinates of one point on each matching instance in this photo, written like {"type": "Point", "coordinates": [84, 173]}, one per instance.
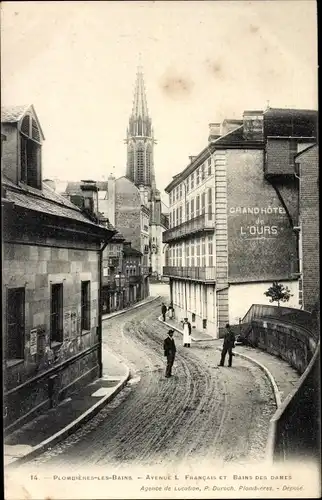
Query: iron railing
{"type": "Point", "coordinates": [204, 222]}
{"type": "Point", "coordinates": [191, 273]}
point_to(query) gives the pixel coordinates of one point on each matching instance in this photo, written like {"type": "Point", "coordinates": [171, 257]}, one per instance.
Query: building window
{"type": "Point", "coordinates": [56, 313]}
{"type": "Point", "coordinates": [85, 306]}
{"type": "Point", "coordinates": [210, 252]}
{"type": "Point", "coordinates": [15, 323]}
{"type": "Point", "coordinates": [197, 205]}
{"type": "Point", "coordinates": [209, 203]}
{"type": "Point", "coordinates": [203, 203]}
{"type": "Point", "coordinates": [202, 172]}
{"type": "Point", "coordinates": [197, 176]}
{"type": "Point", "coordinates": [192, 208]}
{"type": "Point", "coordinates": [140, 164]}
{"type": "Point", "coordinates": [192, 180]}
{"type": "Point", "coordinates": [105, 271]}
{"type": "Point", "coordinates": [187, 210]}
{"type": "Point", "coordinates": [187, 186]}
{"type": "Point", "coordinates": [209, 166]}
{"type": "Point", "coordinates": [180, 214]}
{"type": "Point", "coordinates": [180, 191]}
{"type": "Point", "coordinates": [30, 153]}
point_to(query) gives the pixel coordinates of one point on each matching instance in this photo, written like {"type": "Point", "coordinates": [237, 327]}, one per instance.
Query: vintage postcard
{"type": "Point", "coordinates": [159, 169]}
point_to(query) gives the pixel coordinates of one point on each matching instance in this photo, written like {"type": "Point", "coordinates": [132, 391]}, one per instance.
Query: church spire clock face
{"type": "Point", "coordinates": [140, 140]}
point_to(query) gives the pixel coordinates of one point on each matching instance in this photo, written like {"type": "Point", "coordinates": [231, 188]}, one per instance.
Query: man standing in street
{"type": "Point", "coordinates": [229, 343]}
{"type": "Point", "coordinates": [163, 310]}
{"type": "Point", "coordinates": [186, 333]}
{"type": "Point", "coordinates": [170, 352]}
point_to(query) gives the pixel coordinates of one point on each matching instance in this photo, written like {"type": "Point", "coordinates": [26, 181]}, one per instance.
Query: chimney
{"type": "Point", "coordinates": [90, 195]}
{"type": "Point", "coordinates": [214, 131]}
{"type": "Point", "coordinates": [253, 124]}
{"type": "Point", "coordinates": [50, 183]}
{"type": "Point", "coordinates": [229, 125]}
{"type": "Point", "coordinates": [191, 158]}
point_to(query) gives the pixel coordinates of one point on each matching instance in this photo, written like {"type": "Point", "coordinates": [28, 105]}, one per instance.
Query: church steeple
{"type": "Point", "coordinates": [140, 140]}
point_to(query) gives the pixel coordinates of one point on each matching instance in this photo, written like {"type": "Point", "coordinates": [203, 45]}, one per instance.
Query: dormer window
{"type": "Point", "coordinates": [30, 152]}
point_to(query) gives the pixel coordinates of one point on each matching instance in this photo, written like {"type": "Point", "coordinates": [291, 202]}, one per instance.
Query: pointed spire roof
{"type": "Point", "coordinates": [140, 107]}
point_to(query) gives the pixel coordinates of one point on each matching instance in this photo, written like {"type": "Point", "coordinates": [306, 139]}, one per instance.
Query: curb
{"type": "Point", "coordinates": [276, 391]}
{"type": "Point", "coordinates": [180, 331]}
{"type": "Point", "coordinates": [271, 429]}
{"type": "Point", "coordinates": [72, 427]}
{"type": "Point", "coordinates": [122, 311]}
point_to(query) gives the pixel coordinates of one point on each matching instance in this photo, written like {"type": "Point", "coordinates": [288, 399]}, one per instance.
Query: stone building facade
{"type": "Point", "coordinates": [52, 256]}
{"type": "Point", "coordinates": [308, 170]}
{"type": "Point", "coordinates": [234, 217]}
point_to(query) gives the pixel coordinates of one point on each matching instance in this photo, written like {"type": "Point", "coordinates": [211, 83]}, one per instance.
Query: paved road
{"type": "Point", "coordinates": [202, 413]}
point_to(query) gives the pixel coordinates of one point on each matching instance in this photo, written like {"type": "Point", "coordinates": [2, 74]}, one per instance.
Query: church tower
{"type": "Point", "coordinates": [140, 140]}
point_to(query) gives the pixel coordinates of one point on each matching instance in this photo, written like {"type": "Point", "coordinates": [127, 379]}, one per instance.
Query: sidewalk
{"type": "Point", "coordinates": [281, 375]}
{"type": "Point", "coordinates": [57, 423]}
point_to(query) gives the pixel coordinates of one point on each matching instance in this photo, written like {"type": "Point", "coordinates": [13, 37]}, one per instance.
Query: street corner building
{"type": "Point", "coordinates": [52, 261]}
{"type": "Point", "coordinates": [234, 217]}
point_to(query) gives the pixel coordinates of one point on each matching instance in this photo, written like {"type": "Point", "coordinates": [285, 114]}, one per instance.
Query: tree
{"type": "Point", "coordinates": [278, 293]}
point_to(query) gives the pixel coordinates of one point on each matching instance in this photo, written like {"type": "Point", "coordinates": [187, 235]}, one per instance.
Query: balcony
{"type": "Point", "coordinates": [204, 274]}
{"type": "Point", "coordinates": [202, 223]}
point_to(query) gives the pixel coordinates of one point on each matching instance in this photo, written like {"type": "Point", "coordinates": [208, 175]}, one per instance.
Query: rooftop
{"type": "Point", "coordinates": [45, 201]}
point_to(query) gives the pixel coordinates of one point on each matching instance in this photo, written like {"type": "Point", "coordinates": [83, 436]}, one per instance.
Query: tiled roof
{"type": "Point", "coordinates": [45, 201]}
{"type": "Point", "coordinates": [118, 236]}
{"type": "Point", "coordinates": [127, 250]}
{"type": "Point", "coordinates": [12, 114]}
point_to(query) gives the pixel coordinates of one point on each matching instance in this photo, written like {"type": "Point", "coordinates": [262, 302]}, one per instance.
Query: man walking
{"type": "Point", "coordinates": [163, 310]}
{"type": "Point", "coordinates": [170, 352]}
{"type": "Point", "coordinates": [229, 343]}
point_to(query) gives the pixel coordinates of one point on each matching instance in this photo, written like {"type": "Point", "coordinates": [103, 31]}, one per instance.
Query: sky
{"type": "Point", "coordinates": [202, 61]}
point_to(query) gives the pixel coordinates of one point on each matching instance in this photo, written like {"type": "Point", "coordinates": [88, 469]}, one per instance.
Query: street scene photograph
{"type": "Point", "coordinates": [160, 242]}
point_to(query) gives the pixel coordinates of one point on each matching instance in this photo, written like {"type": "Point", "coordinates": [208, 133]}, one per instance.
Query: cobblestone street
{"type": "Point", "coordinates": [201, 413]}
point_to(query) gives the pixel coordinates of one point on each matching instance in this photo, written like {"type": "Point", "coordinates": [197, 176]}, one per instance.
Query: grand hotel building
{"type": "Point", "coordinates": [234, 217]}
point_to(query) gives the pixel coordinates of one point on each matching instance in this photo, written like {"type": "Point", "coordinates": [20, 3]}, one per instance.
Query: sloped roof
{"type": "Point", "coordinates": [128, 250]}
{"type": "Point", "coordinates": [46, 201]}
{"type": "Point", "coordinates": [304, 151]}
{"type": "Point", "coordinates": [117, 236]}
{"type": "Point", "coordinates": [12, 114]}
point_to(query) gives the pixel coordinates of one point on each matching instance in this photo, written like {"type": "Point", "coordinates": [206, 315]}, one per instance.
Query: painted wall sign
{"type": "Point", "coordinates": [258, 222]}
{"type": "Point", "coordinates": [33, 342]}
{"type": "Point", "coordinates": [261, 242]}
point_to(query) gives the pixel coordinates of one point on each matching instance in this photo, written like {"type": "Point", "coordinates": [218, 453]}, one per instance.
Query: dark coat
{"type": "Point", "coordinates": [169, 346]}
{"type": "Point", "coordinates": [229, 339]}
{"type": "Point", "coordinates": [164, 309]}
